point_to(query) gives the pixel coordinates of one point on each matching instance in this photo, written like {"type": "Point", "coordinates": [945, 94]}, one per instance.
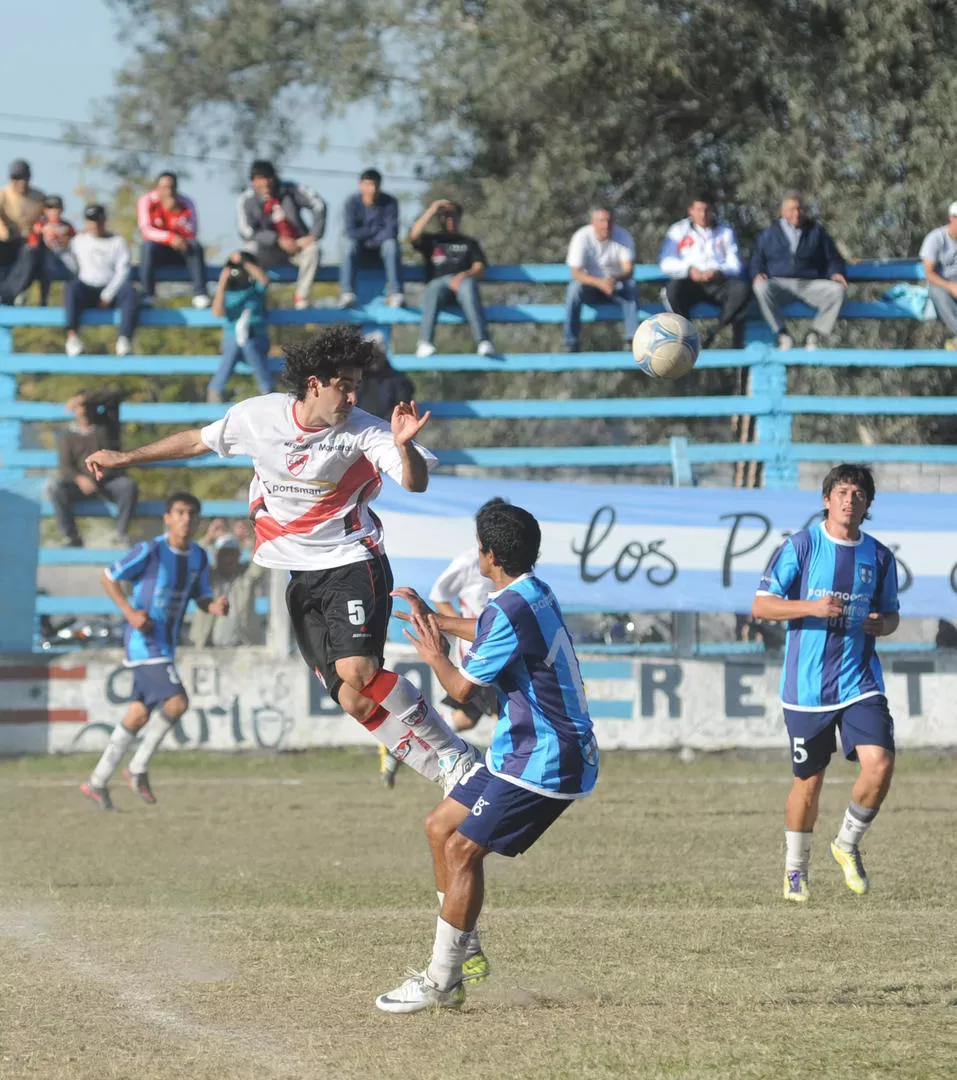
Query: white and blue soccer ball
{"type": "Point", "coordinates": [666, 346]}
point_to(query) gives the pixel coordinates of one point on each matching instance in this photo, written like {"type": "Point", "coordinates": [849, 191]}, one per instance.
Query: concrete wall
{"type": "Point", "coordinates": [249, 700]}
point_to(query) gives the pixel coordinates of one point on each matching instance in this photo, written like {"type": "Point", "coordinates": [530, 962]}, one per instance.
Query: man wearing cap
{"type": "Point", "coordinates": [235, 579]}
{"type": "Point", "coordinates": [20, 208]}
{"type": "Point", "coordinates": [102, 280]}
{"type": "Point", "coordinates": [939, 254]}
{"type": "Point", "coordinates": [270, 221]}
{"type": "Point", "coordinates": [372, 238]}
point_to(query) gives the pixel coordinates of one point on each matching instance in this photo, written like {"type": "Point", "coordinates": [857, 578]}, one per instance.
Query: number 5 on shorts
{"type": "Point", "coordinates": [799, 756]}
{"type": "Point", "coordinates": [357, 613]}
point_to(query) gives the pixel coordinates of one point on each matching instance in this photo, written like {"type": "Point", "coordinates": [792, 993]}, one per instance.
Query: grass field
{"type": "Point", "coordinates": [242, 928]}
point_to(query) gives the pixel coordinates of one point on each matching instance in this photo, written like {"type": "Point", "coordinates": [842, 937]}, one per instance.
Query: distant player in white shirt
{"type": "Point", "coordinates": [460, 582]}
{"type": "Point", "coordinates": [317, 461]}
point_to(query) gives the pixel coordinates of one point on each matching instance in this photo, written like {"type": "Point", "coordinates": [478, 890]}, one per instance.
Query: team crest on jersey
{"type": "Point", "coordinates": [865, 574]}
{"type": "Point", "coordinates": [296, 461]}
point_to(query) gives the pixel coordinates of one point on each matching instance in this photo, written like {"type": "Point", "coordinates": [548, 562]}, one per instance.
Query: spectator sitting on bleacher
{"type": "Point", "coordinates": [700, 255]}
{"type": "Point", "coordinates": [454, 263]}
{"type": "Point", "coordinates": [20, 209]}
{"type": "Point", "coordinates": [235, 579]}
{"type": "Point", "coordinates": [796, 259]}
{"type": "Point", "coordinates": [54, 233]}
{"type": "Point", "coordinates": [95, 426]}
{"type": "Point", "coordinates": [241, 300]}
{"type": "Point", "coordinates": [601, 256]}
{"type": "Point", "coordinates": [382, 387]}
{"type": "Point", "coordinates": [372, 239]}
{"type": "Point", "coordinates": [270, 221]}
{"type": "Point", "coordinates": [102, 280]}
{"type": "Point", "coordinates": [168, 225]}
{"type": "Point", "coordinates": [939, 253]}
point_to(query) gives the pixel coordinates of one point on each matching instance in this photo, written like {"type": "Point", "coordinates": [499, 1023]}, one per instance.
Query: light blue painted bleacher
{"type": "Point", "coordinates": [768, 400]}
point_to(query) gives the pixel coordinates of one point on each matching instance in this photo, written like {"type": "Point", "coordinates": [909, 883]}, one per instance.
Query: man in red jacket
{"type": "Point", "coordinates": [168, 224]}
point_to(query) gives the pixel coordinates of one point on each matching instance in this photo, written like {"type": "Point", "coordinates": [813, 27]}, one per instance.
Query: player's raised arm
{"type": "Point", "coordinates": [449, 624]}
{"type": "Point", "coordinates": [406, 424]}
{"type": "Point", "coordinates": [184, 444]}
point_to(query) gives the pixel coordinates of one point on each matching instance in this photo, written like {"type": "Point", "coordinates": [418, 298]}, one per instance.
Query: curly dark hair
{"type": "Point", "coordinates": [325, 355]}
{"type": "Point", "coordinates": [860, 475]}
{"type": "Point", "coordinates": [511, 534]}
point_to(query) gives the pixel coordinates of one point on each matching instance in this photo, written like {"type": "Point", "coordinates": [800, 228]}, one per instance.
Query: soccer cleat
{"type": "Point", "coordinates": [140, 784]}
{"type": "Point", "coordinates": [796, 886]}
{"type": "Point", "coordinates": [476, 969]}
{"type": "Point", "coordinates": [388, 766]}
{"type": "Point", "coordinates": [100, 795]}
{"type": "Point", "coordinates": [855, 876]}
{"type": "Point", "coordinates": [418, 993]}
{"type": "Point", "coordinates": [455, 766]}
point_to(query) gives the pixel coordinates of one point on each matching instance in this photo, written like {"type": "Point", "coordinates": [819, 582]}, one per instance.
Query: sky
{"type": "Point", "coordinates": [79, 54]}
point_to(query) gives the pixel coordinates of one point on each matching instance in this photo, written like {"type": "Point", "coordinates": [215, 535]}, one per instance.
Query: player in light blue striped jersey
{"type": "Point", "coordinates": [836, 588]}
{"type": "Point", "coordinates": [166, 573]}
{"type": "Point", "coordinates": [543, 754]}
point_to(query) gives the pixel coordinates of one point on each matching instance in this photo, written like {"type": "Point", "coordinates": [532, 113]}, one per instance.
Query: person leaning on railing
{"type": "Point", "coordinates": [168, 225]}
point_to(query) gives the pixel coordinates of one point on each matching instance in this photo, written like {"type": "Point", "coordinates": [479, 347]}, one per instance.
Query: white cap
{"type": "Point", "coordinates": [952, 210]}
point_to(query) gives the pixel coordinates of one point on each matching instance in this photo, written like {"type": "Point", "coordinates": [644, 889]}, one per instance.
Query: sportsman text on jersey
{"type": "Point", "coordinates": [310, 494]}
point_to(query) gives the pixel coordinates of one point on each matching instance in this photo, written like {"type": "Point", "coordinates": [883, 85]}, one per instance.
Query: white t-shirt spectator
{"type": "Point", "coordinates": [601, 259]}
{"type": "Point", "coordinates": [941, 248]}
{"type": "Point", "coordinates": [102, 262]}
{"type": "Point", "coordinates": [687, 246]}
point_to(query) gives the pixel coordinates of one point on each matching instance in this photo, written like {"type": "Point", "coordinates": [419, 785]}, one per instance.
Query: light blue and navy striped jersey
{"type": "Point", "coordinates": [544, 739]}
{"type": "Point", "coordinates": [832, 662]}
{"type": "Point", "coordinates": [165, 580]}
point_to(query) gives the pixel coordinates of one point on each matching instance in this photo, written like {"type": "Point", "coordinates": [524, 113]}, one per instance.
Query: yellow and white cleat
{"type": "Point", "coordinates": [476, 969]}
{"type": "Point", "coordinates": [388, 766]}
{"type": "Point", "coordinates": [796, 886]}
{"type": "Point", "coordinates": [855, 876]}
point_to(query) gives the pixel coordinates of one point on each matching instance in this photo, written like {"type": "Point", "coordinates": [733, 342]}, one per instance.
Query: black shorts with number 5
{"type": "Point", "coordinates": [340, 612]}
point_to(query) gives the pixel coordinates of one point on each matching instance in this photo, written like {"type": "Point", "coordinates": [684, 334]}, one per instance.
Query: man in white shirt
{"type": "Point", "coordinates": [939, 255]}
{"type": "Point", "coordinates": [317, 461]}
{"type": "Point", "coordinates": [602, 258]}
{"type": "Point", "coordinates": [102, 280]}
{"type": "Point", "coordinates": [700, 255]}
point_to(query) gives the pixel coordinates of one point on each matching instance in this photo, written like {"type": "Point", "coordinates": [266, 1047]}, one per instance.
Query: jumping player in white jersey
{"type": "Point", "coordinates": [317, 461]}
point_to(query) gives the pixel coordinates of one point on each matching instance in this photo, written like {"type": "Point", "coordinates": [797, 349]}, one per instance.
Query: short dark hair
{"type": "Point", "coordinates": [511, 533]}
{"type": "Point", "coordinates": [701, 196]}
{"type": "Point", "coordinates": [453, 207]}
{"type": "Point", "coordinates": [860, 475]}
{"type": "Point", "coordinates": [172, 177]}
{"type": "Point", "coordinates": [325, 355]}
{"type": "Point", "coordinates": [371, 174]}
{"type": "Point", "coordinates": [262, 167]}
{"type": "Point", "coordinates": [181, 497]}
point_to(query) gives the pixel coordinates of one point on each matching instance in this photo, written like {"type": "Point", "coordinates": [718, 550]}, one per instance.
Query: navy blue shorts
{"type": "Point", "coordinates": [505, 818]}
{"type": "Point", "coordinates": [813, 735]}
{"type": "Point", "coordinates": [155, 683]}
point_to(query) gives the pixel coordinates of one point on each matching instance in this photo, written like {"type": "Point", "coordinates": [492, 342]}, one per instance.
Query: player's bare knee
{"type": "Point", "coordinates": [357, 671]}
{"type": "Point", "coordinates": [461, 853]}
{"type": "Point", "coordinates": [174, 708]}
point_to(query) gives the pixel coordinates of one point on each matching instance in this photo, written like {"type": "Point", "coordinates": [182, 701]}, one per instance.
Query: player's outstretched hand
{"type": "Point", "coordinates": [874, 624]}
{"type": "Point", "coordinates": [428, 640]}
{"type": "Point", "coordinates": [406, 422]}
{"type": "Point", "coordinates": [98, 462]}
{"type": "Point", "coordinates": [219, 606]}
{"type": "Point", "coordinates": [415, 602]}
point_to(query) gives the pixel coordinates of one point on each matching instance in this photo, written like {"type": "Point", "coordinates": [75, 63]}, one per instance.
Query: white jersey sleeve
{"type": "Point", "coordinates": [379, 447]}
{"type": "Point", "coordinates": [232, 435]}
{"type": "Point", "coordinates": [453, 579]}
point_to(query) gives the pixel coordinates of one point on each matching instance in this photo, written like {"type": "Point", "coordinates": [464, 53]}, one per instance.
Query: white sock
{"type": "Point", "coordinates": [448, 954]}
{"type": "Point", "coordinates": [797, 850]}
{"type": "Point", "coordinates": [155, 733]}
{"type": "Point", "coordinates": [408, 705]}
{"type": "Point", "coordinates": [857, 820]}
{"type": "Point", "coordinates": [114, 753]}
{"type": "Point", "coordinates": [474, 946]}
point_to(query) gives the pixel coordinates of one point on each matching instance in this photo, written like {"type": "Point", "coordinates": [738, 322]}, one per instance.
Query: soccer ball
{"type": "Point", "coordinates": [666, 346]}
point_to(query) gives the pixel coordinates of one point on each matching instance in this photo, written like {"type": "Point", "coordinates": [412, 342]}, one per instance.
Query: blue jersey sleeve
{"type": "Point", "coordinates": [782, 571]}
{"type": "Point", "coordinates": [494, 648]}
{"type": "Point", "coordinates": [132, 565]}
{"type": "Point", "coordinates": [887, 600]}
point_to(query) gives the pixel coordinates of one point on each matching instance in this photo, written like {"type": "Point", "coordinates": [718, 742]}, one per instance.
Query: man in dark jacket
{"type": "Point", "coordinates": [96, 426]}
{"type": "Point", "coordinates": [372, 239]}
{"type": "Point", "coordinates": [795, 259]}
{"type": "Point", "coordinates": [270, 220]}
{"type": "Point", "coordinates": [382, 387]}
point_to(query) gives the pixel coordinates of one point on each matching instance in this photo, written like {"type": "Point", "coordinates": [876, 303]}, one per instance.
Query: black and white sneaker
{"type": "Point", "coordinates": [99, 795]}
{"type": "Point", "coordinates": [140, 784]}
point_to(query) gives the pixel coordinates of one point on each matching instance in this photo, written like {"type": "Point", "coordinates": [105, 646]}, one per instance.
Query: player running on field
{"type": "Point", "coordinates": [543, 753]}
{"type": "Point", "coordinates": [166, 574]}
{"type": "Point", "coordinates": [317, 461]}
{"type": "Point", "coordinates": [836, 587]}
{"type": "Point", "coordinates": [461, 581]}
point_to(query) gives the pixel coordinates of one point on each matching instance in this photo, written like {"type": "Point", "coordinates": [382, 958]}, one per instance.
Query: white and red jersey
{"type": "Point", "coordinates": [461, 581]}
{"type": "Point", "coordinates": [310, 495]}
{"type": "Point", "coordinates": [159, 224]}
